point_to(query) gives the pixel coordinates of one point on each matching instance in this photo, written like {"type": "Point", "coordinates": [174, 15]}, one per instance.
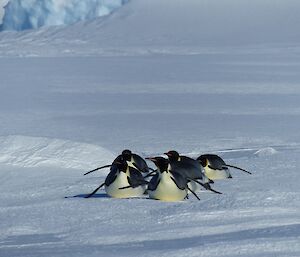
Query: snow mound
{"type": "Point", "coordinates": [31, 14]}
{"type": "Point", "coordinates": [266, 152]}
{"type": "Point", "coordinates": [38, 151]}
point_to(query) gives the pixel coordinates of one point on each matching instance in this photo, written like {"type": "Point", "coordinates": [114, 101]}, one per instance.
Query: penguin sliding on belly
{"type": "Point", "coordinates": [191, 170]}
{"type": "Point", "coordinates": [133, 160]}
{"type": "Point", "coordinates": [123, 181]}
{"type": "Point", "coordinates": [167, 185]}
{"type": "Point", "coordinates": [215, 167]}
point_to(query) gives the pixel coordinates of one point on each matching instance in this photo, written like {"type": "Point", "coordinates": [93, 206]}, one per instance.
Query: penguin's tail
{"type": "Point", "coordinates": [238, 168]}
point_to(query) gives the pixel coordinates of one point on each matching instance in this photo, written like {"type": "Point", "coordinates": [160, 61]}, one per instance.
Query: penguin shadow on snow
{"type": "Point", "coordinates": [103, 195]}
{"type": "Point", "coordinates": [100, 195]}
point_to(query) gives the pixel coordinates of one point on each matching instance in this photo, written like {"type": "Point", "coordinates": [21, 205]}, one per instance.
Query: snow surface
{"type": "Point", "coordinates": [73, 97]}
{"type": "Point", "coordinates": [44, 152]}
{"type": "Point", "coordinates": [163, 27]}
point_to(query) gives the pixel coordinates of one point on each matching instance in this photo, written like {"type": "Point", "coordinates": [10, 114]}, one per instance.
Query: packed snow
{"type": "Point", "coordinates": [153, 76]}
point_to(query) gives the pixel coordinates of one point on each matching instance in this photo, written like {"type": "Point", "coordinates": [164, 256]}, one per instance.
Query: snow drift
{"type": "Point", "coordinates": [24, 151]}
{"type": "Point", "coordinates": [30, 14]}
{"type": "Point", "coordinates": [151, 85]}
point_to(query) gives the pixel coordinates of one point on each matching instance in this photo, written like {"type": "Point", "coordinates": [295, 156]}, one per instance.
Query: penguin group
{"type": "Point", "coordinates": [172, 179]}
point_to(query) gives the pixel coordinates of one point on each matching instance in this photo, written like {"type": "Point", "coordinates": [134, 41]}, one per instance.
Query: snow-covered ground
{"type": "Point", "coordinates": [153, 76]}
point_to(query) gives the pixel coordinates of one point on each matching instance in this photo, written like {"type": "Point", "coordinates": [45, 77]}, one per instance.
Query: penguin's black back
{"type": "Point", "coordinates": [215, 161]}
{"type": "Point", "coordinates": [140, 163]}
{"type": "Point", "coordinates": [187, 169]}
{"type": "Point", "coordinates": [138, 160]}
{"type": "Point", "coordinates": [192, 162]}
{"type": "Point", "coordinates": [189, 160]}
{"type": "Point", "coordinates": [119, 158]}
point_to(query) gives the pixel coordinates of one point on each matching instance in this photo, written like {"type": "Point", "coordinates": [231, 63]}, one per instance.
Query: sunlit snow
{"type": "Point", "coordinates": [197, 76]}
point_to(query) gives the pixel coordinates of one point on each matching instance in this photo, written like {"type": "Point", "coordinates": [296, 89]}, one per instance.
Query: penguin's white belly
{"type": "Point", "coordinates": [121, 181]}
{"type": "Point", "coordinates": [167, 190]}
{"type": "Point", "coordinates": [216, 174]}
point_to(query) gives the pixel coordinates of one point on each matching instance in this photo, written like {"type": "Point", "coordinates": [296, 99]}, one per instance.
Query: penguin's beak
{"type": "Point", "coordinates": [168, 154]}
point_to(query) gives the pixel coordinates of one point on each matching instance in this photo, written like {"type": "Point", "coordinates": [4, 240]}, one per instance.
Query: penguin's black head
{"type": "Point", "coordinates": [160, 162]}
{"type": "Point", "coordinates": [121, 165]}
{"type": "Point", "coordinates": [203, 160]}
{"type": "Point", "coordinates": [173, 155]}
{"type": "Point", "coordinates": [126, 154]}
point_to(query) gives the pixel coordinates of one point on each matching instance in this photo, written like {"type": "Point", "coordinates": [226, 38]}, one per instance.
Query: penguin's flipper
{"type": "Point", "coordinates": [125, 187]}
{"type": "Point", "coordinates": [136, 178]}
{"type": "Point", "coordinates": [102, 167]}
{"type": "Point", "coordinates": [215, 191]}
{"type": "Point", "coordinates": [153, 184]}
{"type": "Point", "coordinates": [130, 184]}
{"type": "Point", "coordinates": [179, 180]}
{"type": "Point", "coordinates": [238, 168]}
{"type": "Point", "coordinates": [206, 186]}
{"type": "Point", "coordinates": [193, 193]}
{"type": "Point", "coordinates": [94, 192]}
{"type": "Point", "coordinates": [112, 175]}
{"type": "Point", "coordinates": [150, 174]}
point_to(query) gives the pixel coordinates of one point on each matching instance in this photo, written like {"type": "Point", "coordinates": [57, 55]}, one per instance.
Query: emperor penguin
{"type": "Point", "coordinates": [167, 185]}
{"type": "Point", "coordinates": [123, 181]}
{"type": "Point", "coordinates": [134, 160]}
{"type": "Point", "coordinates": [215, 167]}
{"type": "Point", "coordinates": [191, 170]}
